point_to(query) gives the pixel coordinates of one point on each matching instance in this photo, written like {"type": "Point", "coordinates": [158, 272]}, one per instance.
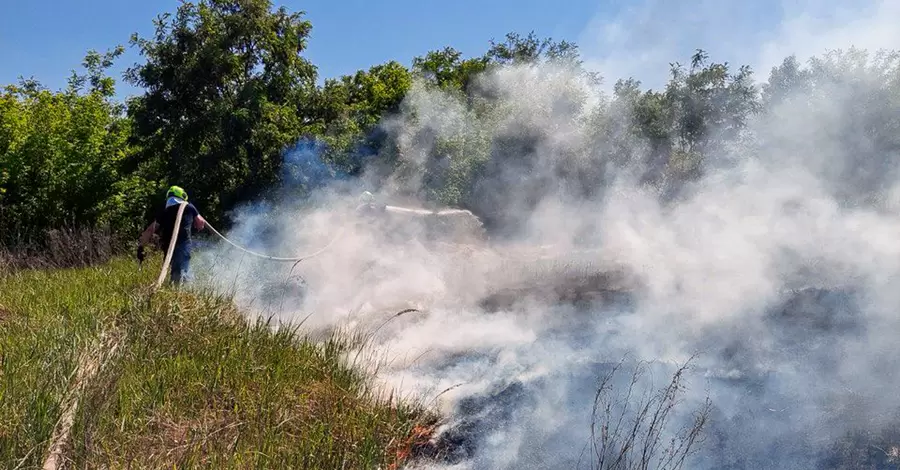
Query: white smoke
{"type": "Point", "coordinates": [640, 39]}
{"type": "Point", "coordinates": [706, 274]}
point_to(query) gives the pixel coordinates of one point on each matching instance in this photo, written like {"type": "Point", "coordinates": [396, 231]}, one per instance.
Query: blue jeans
{"type": "Point", "coordinates": [181, 260]}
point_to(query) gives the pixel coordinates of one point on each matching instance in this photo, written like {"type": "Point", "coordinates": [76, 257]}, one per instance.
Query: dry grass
{"type": "Point", "coordinates": [629, 429]}
{"type": "Point", "coordinates": [62, 248]}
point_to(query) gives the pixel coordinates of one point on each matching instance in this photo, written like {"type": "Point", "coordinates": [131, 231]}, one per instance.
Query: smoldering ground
{"type": "Point", "coordinates": [777, 268]}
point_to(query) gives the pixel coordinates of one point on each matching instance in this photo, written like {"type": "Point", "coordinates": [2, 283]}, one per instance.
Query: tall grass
{"type": "Point", "coordinates": [194, 385]}
{"type": "Point", "coordinates": [62, 248]}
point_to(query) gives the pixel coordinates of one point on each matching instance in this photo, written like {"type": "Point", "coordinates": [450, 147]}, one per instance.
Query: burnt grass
{"type": "Point", "coordinates": [807, 325]}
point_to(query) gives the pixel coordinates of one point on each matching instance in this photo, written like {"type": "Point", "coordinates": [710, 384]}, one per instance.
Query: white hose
{"type": "Point", "coordinates": [275, 258]}
{"type": "Point", "coordinates": [183, 204]}
{"type": "Point", "coordinates": [162, 274]}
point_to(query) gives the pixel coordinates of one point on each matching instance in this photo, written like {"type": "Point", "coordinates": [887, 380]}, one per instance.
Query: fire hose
{"type": "Point", "coordinates": [171, 248]}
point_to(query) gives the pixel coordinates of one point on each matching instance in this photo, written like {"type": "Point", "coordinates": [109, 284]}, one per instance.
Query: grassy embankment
{"type": "Point", "coordinates": [186, 381]}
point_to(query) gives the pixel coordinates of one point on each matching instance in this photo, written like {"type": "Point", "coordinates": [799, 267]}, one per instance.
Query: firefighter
{"type": "Point", "coordinates": [164, 225]}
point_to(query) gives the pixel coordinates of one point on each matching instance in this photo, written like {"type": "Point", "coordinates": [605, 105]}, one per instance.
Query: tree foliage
{"type": "Point", "coordinates": [223, 81]}
{"type": "Point", "coordinates": [61, 156]}
{"type": "Point", "coordinates": [349, 109]}
{"type": "Point", "coordinates": [227, 97]}
{"type": "Point", "coordinates": [447, 69]}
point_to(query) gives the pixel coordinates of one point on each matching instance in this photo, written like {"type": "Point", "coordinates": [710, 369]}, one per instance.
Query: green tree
{"type": "Point", "coordinates": [62, 155]}
{"type": "Point", "coordinates": [711, 107]}
{"type": "Point", "coordinates": [516, 49]}
{"type": "Point", "coordinates": [350, 109]}
{"type": "Point", "coordinates": [840, 113]}
{"type": "Point", "coordinates": [456, 162]}
{"type": "Point", "coordinates": [788, 79]}
{"type": "Point", "coordinates": [448, 70]}
{"type": "Point", "coordinates": [223, 80]}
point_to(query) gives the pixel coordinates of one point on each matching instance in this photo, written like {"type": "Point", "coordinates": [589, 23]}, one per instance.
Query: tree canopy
{"type": "Point", "coordinates": [227, 95]}
{"type": "Point", "coordinates": [224, 81]}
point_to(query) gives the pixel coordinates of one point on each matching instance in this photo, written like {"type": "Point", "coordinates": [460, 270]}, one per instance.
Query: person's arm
{"type": "Point", "coordinates": [145, 236]}
{"type": "Point", "coordinates": [199, 222]}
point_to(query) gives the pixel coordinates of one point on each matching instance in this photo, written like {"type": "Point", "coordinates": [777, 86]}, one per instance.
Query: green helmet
{"type": "Point", "coordinates": [176, 191]}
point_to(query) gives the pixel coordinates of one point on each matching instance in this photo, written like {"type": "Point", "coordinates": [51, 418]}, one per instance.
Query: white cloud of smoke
{"type": "Point", "coordinates": [715, 273]}
{"type": "Point", "coordinates": [641, 38]}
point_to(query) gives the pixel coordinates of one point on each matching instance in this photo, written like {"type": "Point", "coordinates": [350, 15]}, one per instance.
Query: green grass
{"type": "Point", "coordinates": [193, 385]}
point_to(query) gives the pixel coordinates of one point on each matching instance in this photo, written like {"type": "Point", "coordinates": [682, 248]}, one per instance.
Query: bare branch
{"type": "Point", "coordinates": [633, 436]}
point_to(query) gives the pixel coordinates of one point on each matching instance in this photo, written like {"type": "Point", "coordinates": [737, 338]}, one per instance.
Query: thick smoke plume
{"type": "Point", "coordinates": [777, 268]}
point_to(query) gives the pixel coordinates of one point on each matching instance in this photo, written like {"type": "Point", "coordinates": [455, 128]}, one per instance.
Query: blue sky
{"type": "Point", "coordinates": [46, 39]}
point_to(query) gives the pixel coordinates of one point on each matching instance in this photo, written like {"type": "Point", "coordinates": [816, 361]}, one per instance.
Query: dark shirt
{"type": "Point", "coordinates": [166, 220]}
